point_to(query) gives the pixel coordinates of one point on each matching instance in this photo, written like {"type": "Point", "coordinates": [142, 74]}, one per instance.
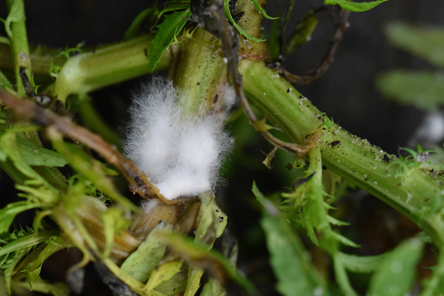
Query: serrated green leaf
{"type": "Point", "coordinates": [427, 43]}
{"type": "Point", "coordinates": [396, 274]}
{"type": "Point", "coordinates": [142, 262]}
{"type": "Point", "coordinates": [239, 28]}
{"type": "Point", "coordinates": [362, 264]}
{"type": "Point", "coordinates": [289, 259]}
{"type": "Point", "coordinates": [420, 89]}
{"type": "Point", "coordinates": [32, 276]}
{"type": "Point", "coordinates": [262, 11]}
{"type": "Point", "coordinates": [39, 156]}
{"type": "Point", "coordinates": [8, 213]}
{"type": "Point", "coordinates": [354, 6]}
{"type": "Point", "coordinates": [168, 30]}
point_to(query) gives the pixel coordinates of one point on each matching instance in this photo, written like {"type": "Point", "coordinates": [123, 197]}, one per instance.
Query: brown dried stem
{"type": "Point", "coordinates": [139, 182]}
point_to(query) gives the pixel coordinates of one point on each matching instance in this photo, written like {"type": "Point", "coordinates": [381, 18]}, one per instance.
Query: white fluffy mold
{"type": "Point", "coordinates": [181, 156]}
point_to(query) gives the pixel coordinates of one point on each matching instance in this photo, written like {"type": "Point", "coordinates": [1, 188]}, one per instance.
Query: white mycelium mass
{"type": "Point", "coordinates": [180, 155]}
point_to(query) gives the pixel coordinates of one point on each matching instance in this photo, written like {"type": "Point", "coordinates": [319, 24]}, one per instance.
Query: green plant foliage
{"type": "Point", "coordinates": [289, 259]}
{"type": "Point", "coordinates": [39, 156]}
{"type": "Point", "coordinates": [354, 6]}
{"type": "Point", "coordinates": [162, 274]}
{"type": "Point", "coordinates": [91, 171]}
{"type": "Point", "coordinates": [420, 89]}
{"type": "Point", "coordinates": [414, 160]}
{"type": "Point", "coordinates": [142, 262]}
{"type": "Point", "coordinates": [213, 288]}
{"type": "Point", "coordinates": [69, 51]}
{"type": "Point", "coordinates": [262, 11]}
{"type": "Point", "coordinates": [56, 289]}
{"type": "Point", "coordinates": [397, 270]}
{"type": "Point", "coordinates": [133, 29]}
{"type": "Point", "coordinates": [198, 255]}
{"type": "Point", "coordinates": [360, 264]}
{"type": "Point", "coordinates": [211, 222]}
{"type": "Point", "coordinates": [16, 14]}
{"type": "Point", "coordinates": [428, 43]}
{"type": "Point", "coordinates": [302, 32]}
{"type": "Point", "coordinates": [8, 213]}
{"type": "Point", "coordinates": [168, 30]}
{"type": "Point", "coordinates": [239, 28]}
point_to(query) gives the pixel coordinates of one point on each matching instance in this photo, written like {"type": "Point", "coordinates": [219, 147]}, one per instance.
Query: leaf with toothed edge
{"type": "Point", "coordinates": [168, 30]}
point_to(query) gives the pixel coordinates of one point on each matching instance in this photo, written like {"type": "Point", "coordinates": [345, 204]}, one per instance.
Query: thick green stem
{"type": "Point", "coordinates": [105, 66]}
{"type": "Point", "coordinates": [415, 194]}
{"type": "Point", "coordinates": [199, 72]}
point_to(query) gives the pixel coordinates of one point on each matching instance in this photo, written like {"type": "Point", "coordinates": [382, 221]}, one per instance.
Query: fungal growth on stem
{"type": "Point", "coordinates": [180, 154]}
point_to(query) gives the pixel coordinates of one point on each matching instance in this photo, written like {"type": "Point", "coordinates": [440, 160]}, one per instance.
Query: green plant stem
{"type": "Point", "coordinates": [105, 66]}
{"type": "Point", "coordinates": [41, 60]}
{"type": "Point", "coordinates": [19, 44]}
{"type": "Point", "coordinates": [415, 195]}
{"type": "Point", "coordinates": [199, 71]}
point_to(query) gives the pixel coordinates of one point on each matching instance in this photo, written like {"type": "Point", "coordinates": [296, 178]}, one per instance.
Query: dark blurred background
{"type": "Point", "coordinates": [346, 93]}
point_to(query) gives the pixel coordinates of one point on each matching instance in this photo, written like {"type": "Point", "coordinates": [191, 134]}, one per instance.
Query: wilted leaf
{"type": "Point", "coordinates": [163, 273]}
{"type": "Point", "coordinates": [211, 222]}
{"type": "Point", "coordinates": [197, 255]}
{"type": "Point", "coordinates": [421, 89]}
